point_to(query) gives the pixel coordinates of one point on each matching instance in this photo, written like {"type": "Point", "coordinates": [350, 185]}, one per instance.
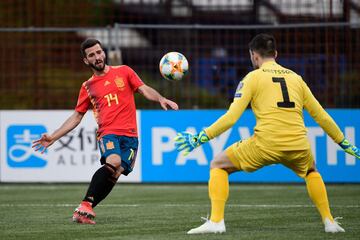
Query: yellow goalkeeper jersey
{"type": "Point", "coordinates": [277, 96]}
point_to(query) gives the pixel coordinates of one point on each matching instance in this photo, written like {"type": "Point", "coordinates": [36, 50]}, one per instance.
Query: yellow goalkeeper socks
{"type": "Point", "coordinates": [218, 193]}
{"type": "Point", "coordinates": [317, 192]}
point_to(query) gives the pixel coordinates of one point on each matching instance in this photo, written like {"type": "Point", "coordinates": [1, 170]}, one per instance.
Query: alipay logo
{"type": "Point", "coordinates": [19, 142]}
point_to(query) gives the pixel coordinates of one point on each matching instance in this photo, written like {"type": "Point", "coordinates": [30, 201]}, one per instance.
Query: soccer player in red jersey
{"type": "Point", "coordinates": [110, 93]}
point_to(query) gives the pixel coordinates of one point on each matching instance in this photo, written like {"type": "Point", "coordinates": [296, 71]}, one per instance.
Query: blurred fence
{"type": "Point", "coordinates": [42, 68]}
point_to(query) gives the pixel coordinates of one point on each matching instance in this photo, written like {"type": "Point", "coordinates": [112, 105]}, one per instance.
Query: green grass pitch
{"type": "Point", "coordinates": [136, 211]}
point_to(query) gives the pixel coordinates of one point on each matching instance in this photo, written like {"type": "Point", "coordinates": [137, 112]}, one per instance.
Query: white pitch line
{"type": "Point", "coordinates": [152, 187]}
{"type": "Point", "coordinates": [175, 205]}
{"type": "Point", "coordinates": [261, 205]}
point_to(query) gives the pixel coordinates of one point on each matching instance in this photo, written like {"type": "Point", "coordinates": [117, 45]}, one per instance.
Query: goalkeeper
{"type": "Point", "coordinates": [277, 96]}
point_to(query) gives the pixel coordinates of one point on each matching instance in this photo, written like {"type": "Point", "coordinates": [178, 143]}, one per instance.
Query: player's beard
{"type": "Point", "coordinates": [98, 66]}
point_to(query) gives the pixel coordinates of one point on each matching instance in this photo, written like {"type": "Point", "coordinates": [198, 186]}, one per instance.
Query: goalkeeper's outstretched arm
{"type": "Point", "coordinates": [227, 120]}
{"type": "Point", "coordinates": [187, 142]}
{"type": "Point", "coordinates": [243, 96]}
{"type": "Point", "coordinates": [327, 123]}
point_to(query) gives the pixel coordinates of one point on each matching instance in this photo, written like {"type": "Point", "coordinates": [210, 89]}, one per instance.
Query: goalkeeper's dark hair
{"type": "Point", "coordinates": [88, 43]}
{"type": "Point", "coordinates": [263, 44]}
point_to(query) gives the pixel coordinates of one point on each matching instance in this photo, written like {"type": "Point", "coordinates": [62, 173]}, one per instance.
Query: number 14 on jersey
{"type": "Point", "coordinates": [111, 98]}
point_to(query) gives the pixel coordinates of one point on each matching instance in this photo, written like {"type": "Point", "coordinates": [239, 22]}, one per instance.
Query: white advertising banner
{"type": "Point", "coordinates": [73, 158]}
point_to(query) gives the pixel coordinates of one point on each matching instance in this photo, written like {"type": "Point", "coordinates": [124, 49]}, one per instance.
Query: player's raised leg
{"type": "Point", "coordinates": [221, 166]}
{"type": "Point", "coordinates": [317, 193]}
{"type": "Point", "coordinates": [100, 186]}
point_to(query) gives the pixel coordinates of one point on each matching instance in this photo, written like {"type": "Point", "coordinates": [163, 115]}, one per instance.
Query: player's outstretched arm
{"type": "Point", "coordinates": [349, 148]}
{"type": "Point", "coordinates": [153, 95]}
{"type": "Point", "coordinates": [327, 123]}
{"type": "Point", "coordinates": [187, 142]}
{"type": "Point", "coordinates": [47, 140]}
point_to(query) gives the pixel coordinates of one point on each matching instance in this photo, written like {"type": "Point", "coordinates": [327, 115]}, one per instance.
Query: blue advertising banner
{"type": "Point", "coordinates": [162, 163]}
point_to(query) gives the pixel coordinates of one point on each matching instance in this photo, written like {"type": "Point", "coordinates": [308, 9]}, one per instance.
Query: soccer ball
{"type": "Point", "coordinates": [173, 66]}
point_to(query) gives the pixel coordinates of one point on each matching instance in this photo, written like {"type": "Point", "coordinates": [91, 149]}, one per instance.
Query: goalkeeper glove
{"type": "Point", "coordinates": [187, 142]}
{"type": "Point", "coordinates": [349, 148]}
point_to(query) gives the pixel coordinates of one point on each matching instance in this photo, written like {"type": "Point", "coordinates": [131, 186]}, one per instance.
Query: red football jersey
{"type": "Point", "coordinates": [112, 99]}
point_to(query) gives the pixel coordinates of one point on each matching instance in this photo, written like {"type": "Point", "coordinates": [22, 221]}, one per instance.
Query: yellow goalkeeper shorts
{"type": "Point", "coordinates": [247, 156]}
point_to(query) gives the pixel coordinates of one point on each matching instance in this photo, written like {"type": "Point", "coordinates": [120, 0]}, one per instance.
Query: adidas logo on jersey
{"type": "Point", "coordinates": [106, 83]}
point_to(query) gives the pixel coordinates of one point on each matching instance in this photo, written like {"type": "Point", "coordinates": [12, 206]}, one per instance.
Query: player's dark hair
{"type": "Point", "coordinates": [263, 44]}
{"type": "Point", "coordinates": [88, 43]}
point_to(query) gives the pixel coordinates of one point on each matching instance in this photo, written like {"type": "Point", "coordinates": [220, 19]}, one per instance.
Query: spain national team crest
{"type": "Point", "coordinates": [119, 83]}
{"type": "Point", "coordinates": [110, 145]}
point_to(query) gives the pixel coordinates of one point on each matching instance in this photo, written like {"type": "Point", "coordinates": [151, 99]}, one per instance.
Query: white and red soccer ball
{"type": "Point", "coordinates": [173, 66]}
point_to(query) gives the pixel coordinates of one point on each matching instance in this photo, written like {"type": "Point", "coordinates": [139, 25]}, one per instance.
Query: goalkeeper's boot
{"type": "Point", "coordinates": [333, 226]}
{"type": "Point", "coordinates": [85, 209]}
{"type": "Point", "coordinates": [209, 227]}
{"type": "Point", "coordinates": [82, 219]}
